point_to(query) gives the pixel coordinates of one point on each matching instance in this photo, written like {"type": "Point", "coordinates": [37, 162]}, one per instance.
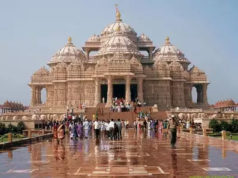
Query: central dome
{"type": "Point", "coordinates": [118, 42]}
{"type": "Point", "coordinates": [124, 28]}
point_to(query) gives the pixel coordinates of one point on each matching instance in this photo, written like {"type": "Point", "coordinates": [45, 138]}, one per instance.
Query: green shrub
{"type": "Point", "coordinates": [225, 126]}
{"type": "Point", "coordinates": [20, 127]}
{"type": "Point", "coordinates": [234, 125]}
{"type": "Point", "coordinates": [215, 125]}
{"type": "Point", "coordinates": [3, 129]}
{"type": "Point", "coordinates": [12, 128]}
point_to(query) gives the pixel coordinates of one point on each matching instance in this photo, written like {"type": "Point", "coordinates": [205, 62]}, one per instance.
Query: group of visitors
{"type": "Point", "coordinates": [120, 105]}
{"type": "Point", "coordinates": [83, 129]}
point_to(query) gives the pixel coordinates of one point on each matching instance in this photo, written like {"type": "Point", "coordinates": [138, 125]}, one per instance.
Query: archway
{"type": "Point", "coordinates": [104, 93]}
{"type": "Point", "coordinates": [194, 95]}
{"type": "Point", "coordinates": [43, 95]}
{"type": "Point", "coordinates": [197, 94]}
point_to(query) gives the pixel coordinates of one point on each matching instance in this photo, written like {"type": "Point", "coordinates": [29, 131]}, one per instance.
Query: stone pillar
{"type": "Point", "coordinates": [128, 88]}
{"type": "Point", "coordinates": [97, 92]}
{"type": "Point", "coordinates": [33, 96]}
{"type": "Point", "coordinates": [204, 131]}
{"type": "Point", "coordinates": [29, 133]}
{"type": "Point", "coordinates": [223, 134]}
{"type": "Point", "coordinates": [38, 95]}
{"type": "Point", "coordinates": [150, 53]}
{"type": "Point", "coordinates": [140, 89]}
{"type": "Point", "coordinates": [47, 96]}
{"type": "Point", "coordinates": [204, 93]}
{"type": "Point", "coordinates": [109, 91]}
{"type": "Point", "coordinates": [9, 137]}
{"type": "Point", "coordinates": [87, 53]}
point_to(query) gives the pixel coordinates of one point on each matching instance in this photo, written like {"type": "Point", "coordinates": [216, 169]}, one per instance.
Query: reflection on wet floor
{"type": "Point", "coordinates": [139, 153]}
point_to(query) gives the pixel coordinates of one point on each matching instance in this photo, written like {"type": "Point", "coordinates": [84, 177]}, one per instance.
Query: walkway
{"type": "Point", "coordinates": [139, 154]}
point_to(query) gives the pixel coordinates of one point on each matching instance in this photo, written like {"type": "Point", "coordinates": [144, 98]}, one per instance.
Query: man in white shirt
{"type": "Point", "coordinates": [97, 128]}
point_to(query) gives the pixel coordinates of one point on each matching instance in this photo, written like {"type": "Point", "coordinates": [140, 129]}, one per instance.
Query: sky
{"type": "Point", "coordinates": [31, 32]}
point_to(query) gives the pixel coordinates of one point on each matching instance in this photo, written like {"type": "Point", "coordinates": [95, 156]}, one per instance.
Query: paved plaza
{"type": "Point", "coordinates": [138, 154]}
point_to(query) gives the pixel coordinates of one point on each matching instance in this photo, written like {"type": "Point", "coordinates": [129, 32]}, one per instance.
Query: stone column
{"type": "Point", "coordinates": [204, 93]}
{"type": "Point", "coordinates": [36, 95]}
{"type": "Point", "coordinates": [47, 95]}
{"type": "Point", "coordinates": [140, 89]}
{"type": "Point", "coordinates": [39, 95]}
{"type": "Point", "coordinates": [97, 92]}
{"type": "Point", "coordinates": [33, 96]}
{"type": "Point", "coordinates": [109, 91]}
{"type": "Point", "coordinates": [128, 88]}
{"type": "Point", "coordinates": [150, 53]}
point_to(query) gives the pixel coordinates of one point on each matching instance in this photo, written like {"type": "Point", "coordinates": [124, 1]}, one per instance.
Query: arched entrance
{"type": "Point", "coordinates": [197, 93]}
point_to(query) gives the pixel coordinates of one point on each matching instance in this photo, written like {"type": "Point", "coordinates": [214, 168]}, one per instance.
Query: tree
{"type": "Point", "coordinates": [225, 126]}
{"type": "Point", "coordinates": [234, 125]}
{"type": "Point", "coordinates": [215, 125]}
{"type": "Point", "coordinates": [20, 127]}
{"type": "Point", "coordinates": [12, 128]}
{"type": "Point", "coordinates": [3, 129]}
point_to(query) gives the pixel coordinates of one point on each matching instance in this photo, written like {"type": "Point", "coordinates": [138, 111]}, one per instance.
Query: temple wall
{"type": "Point", "coordinates": [60, 94]}
{"type": "Point", "coordinates": [80, 92]}
{"type": "Point", "coordinates": [188, 94]}
{"type": "Point", "coordinates": [177, 93]}
{"type": "Point", "coordinates": [50, 95]}
{"type": "Point", "coordinates": [157, 92]}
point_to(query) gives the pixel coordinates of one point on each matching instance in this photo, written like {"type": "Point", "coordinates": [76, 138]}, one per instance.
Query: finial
{"type": "Point", "coordinates": [167, 41]}
{"type": "Point", "coordinates": [70, 40]}
{"type": "Point", "coordinates": [118, 14]}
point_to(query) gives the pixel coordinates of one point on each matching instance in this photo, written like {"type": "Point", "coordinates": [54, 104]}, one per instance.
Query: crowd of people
{"type": "Point", "coordinates": [84, 129]}
{"type": "Point", "coordinates": [120, 105]}
{"type": "Point", "coordinates": [79, 127]}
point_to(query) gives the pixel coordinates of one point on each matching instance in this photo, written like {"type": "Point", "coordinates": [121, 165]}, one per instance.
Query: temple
{"type": "Point", "coordinates": [119, 63]}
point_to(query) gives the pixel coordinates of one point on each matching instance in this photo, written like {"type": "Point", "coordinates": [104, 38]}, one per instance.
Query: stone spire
{"type": "Point", "coordinates": [118, 14]}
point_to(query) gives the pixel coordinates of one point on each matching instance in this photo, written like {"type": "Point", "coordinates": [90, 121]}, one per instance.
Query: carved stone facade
{"type": "Point", "coordinates": [119, 69]}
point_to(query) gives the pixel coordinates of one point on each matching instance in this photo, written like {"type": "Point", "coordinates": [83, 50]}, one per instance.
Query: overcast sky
{"type": "Point", "coordinates": [32, 31]}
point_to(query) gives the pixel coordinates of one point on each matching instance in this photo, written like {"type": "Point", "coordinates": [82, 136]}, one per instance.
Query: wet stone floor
{"type": "Point", "coordinates": [138, 154]}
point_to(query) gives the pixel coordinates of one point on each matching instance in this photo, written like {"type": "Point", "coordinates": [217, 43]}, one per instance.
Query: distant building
{"type": "Point", "coordinates": [226, 105]}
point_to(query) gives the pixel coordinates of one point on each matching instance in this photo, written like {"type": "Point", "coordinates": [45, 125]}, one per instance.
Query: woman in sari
{"type": "Point", "coordinates": [61, 132]}
{"type": "Point", "coordinates": [80, 129]}
{"type": "Point", "coordinates": [55, 127]}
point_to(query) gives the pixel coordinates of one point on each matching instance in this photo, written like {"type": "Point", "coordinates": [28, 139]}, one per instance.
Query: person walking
{"type": "Point", "coordinates": [111, 129]}
{"type": "Point", "coordinates": [173, 130]}
{"type": "Point", "coordinates": [61, 133]}
{"type": "Point", "coordinates": [86, 127]}
{"type": "Point", "coordinates": [97, 128]}
{"type": "Point", "coordinates": [119, 125]}
{"type": "Point", "coordinates": [80, 129]}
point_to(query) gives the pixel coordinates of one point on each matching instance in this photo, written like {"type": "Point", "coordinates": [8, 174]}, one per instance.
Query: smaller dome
{"type": "Point", "coordinates": [42, 71]}
{"type": "Point", "coordinates": [94, 38]}
{"type": "Point", "coordinates": [169, 49]}
{"type": "Point", "coordinates": [68, 54]}
{"type": "Point", "coordinates": [197, 74]}
{"type": "Point", "coordinates": [169, 52]}
{"type": "Point", "coordinates": [144, 38]}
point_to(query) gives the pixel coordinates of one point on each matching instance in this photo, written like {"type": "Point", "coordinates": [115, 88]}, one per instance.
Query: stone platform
{"type": "Point", "coordinates": [138, 154]}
